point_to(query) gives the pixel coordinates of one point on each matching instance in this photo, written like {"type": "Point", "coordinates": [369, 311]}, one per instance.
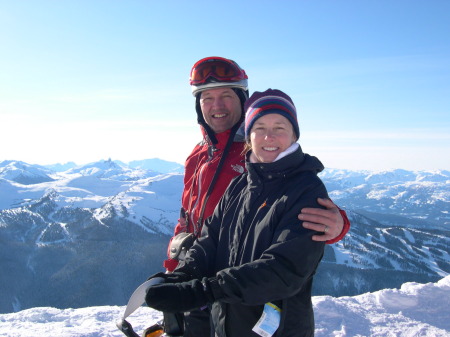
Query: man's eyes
{"type": "Point", "coordinates": [209, 99]}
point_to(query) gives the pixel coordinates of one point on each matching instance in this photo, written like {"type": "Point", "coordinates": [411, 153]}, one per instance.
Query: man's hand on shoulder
{"type": "Point", "coordinates": [329, 220]}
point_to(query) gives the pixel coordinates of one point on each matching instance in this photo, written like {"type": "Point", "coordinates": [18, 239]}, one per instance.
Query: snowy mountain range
{"type": "Point", "coordinates": [77, 236]}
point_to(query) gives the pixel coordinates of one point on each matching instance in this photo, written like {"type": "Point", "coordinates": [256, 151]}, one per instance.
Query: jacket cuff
{"type": "Point", "coordinates": [345, 228]}
{"type": "Point", "coordinates": [170, 264]}
{"type": "Point", "coordinates": [212, 289]}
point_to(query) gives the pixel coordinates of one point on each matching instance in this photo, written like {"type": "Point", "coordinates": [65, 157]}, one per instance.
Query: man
{"type": "Point", "coordinates": [220, 87]}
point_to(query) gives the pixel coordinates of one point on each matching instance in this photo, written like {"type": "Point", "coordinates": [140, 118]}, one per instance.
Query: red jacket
{"type": "Point", "coordinates": [200, 167]}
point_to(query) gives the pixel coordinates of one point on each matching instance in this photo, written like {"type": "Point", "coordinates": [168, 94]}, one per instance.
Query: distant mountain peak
{"type": "Point", "coordinates": [23, 173]}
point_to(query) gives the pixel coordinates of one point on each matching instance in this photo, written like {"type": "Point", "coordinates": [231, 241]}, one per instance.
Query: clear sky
{"type": "Point", "coordinates": [88, 80]}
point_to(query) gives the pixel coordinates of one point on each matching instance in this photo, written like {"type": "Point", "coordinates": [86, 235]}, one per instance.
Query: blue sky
{"type": "Point", "coordinates": [89, 80]}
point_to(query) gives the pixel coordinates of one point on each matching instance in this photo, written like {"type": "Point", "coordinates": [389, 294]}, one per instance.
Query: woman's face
{"type": "Point", "coordinates": [270, 135]}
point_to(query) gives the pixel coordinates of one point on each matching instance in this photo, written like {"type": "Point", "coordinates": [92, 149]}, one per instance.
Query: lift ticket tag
{"type": "Point", "coordinates": [269, 321]}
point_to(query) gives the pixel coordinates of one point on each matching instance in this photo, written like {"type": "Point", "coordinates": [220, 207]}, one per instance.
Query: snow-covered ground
{"type": "Point", "coordinates": [413, 310]}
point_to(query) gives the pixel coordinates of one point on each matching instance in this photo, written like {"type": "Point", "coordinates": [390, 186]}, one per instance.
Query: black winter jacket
{"type": "Point", "coordinates": [258, 251]}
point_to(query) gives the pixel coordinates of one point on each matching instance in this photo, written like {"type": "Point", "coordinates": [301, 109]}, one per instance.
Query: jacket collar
{"type": "Point", "coordinates": [222, 137]}
{"type": "Point", "coordinates": [287, 166]}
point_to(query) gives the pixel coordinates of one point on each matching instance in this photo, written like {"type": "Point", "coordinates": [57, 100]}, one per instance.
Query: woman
{"type": "Point", "coordinates": [253, 264]}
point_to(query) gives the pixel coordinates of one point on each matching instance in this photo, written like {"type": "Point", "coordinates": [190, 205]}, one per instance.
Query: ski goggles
{"type": "Point", "coordinates": [219, 68]}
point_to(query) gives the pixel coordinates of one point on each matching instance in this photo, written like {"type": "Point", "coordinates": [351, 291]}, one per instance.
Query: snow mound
{"type": "Point", "coordinates": [413, 310]}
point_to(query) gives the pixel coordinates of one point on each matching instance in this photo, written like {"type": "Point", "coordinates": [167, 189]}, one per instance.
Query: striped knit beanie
{"type": "Point", "coordinates": [269, 102]}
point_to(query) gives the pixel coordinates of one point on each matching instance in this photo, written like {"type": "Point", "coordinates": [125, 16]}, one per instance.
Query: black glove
{"type": "Point", "coordinates": [180, 297]}
{"type": "Point", "coordinates": [175, 277]}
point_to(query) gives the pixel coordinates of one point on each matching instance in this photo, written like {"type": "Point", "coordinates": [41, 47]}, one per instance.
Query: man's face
{"type": "Point", "coordinates": [221, 108]}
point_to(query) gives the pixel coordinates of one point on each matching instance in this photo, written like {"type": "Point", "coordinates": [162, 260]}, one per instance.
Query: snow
{"type": "Point", "coordinates": [413, 310]}
{"type": "Point", "coordinates": [343, 255]}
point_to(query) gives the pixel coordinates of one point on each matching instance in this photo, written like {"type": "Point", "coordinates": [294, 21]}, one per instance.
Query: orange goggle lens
{"type": "Point", "coordinates": [218, 68]}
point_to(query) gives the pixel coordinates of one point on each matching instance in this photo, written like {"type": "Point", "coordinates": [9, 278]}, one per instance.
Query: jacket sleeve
{"type": "Point", "coordinates": [171, 264]}
{"type": "Point", "coordinates": [181, 227]}
{"type": "Point", "coordinates": [200, 259]}
{"type": "Point", "coordinates": [286, 266]}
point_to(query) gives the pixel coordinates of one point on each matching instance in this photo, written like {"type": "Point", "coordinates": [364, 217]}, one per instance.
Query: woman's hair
{"type": "Point", "coordinates": [247, 147]}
